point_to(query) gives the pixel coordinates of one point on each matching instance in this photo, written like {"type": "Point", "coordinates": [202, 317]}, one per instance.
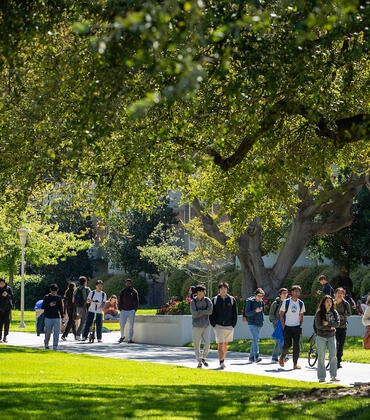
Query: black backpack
{"type": "Point", "coordinates": [79, 299]}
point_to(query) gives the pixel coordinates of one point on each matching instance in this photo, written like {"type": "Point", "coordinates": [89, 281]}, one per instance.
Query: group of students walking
{"type": "Point", "coordinates": [286, 314]}
{"type": "Point", "coordinates": [84, 309]}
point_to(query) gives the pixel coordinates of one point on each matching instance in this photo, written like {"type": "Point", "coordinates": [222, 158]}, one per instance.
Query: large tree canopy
{"type": "Point", "coordinates": [252, 106]}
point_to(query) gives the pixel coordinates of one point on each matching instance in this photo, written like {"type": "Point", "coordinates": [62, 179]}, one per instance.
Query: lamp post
{"type": "Point", "coordinates": [23, 237]}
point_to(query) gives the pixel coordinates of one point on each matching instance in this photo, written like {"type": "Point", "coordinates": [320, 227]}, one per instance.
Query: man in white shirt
{"type": "Point", "coordinates": [96, 299]}
{"type": "Point", "coordinates": [291, 317]}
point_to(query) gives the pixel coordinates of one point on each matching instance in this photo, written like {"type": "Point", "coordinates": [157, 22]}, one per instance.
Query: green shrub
{"type": "Point", "coordinates": [35, 288]}
{"type": "Point", "coordinates": [176, 281]}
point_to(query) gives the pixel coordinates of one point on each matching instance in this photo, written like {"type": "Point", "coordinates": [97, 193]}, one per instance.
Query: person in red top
{"type": "Point", "coordinates": [111, 309]}
{"type": "Point", "coordinates": [128, 304]}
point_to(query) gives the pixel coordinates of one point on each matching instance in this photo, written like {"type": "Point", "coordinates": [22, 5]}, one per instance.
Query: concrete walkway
{"type": "Point", "coordinates": [350, 374]}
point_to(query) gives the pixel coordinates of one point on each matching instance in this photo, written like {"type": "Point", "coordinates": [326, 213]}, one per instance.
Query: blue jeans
{"type": "Point", "coordinates": [52, 324]}
{"type": "Point", "coordinates": [322, 343]}
{"type": "Point", "coordinates": [130, 317]}
{"type": "Point", "coordinates": [277, 350]}
{"type": "Point", "coordinates": [255, 351]}
{"type": "Point", "coordinates": [109, 316]}
{"type": "Point", "coordinates": [98, 324]}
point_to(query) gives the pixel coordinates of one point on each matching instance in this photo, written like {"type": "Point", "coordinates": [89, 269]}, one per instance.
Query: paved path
{"type": "Point", "coordinates": [350, 374]}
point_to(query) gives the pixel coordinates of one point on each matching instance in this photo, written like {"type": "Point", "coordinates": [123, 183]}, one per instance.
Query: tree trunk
{"type": "Point", "coordinates": [11, 276]}
{"type": "Point", "coordinates": [314, 217]}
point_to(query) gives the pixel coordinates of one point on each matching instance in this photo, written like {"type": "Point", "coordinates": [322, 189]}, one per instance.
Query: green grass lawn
{"type": "Point", "coordinates": [43, 384]}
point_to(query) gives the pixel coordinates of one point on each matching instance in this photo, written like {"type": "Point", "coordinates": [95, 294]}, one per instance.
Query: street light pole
{"type": "Point", "coordinates": [23, 238]}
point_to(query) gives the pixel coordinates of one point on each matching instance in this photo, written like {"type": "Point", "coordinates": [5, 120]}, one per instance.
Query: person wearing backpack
{"type": "Point", "coordinates": [223, 320]}
{"type": "Point", "coordinates": [79, 300]}
{"type": "Point", "coordinates": [344, 310]}
{"type": "Point", "coordinates": [201, 308]}
{"type": "Point", "coordinates": [274, 317]}
{"type": "Point", "coordinates": [291, 317]}
{"type": "Point", "coordinates": [253, 314]}
{"type": "Point", "coordinates": [326, 287]}
{"type": "Point", "coordinates": [96, 301]}
{"type": "Point", "coordinates": [69, 309]}
{"type": "Point", "coordinates": [326, 321]}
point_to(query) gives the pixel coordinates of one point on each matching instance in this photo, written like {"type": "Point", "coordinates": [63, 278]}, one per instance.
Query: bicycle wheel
{"type": "Point", "coordinates": [312, 351]}
{"type": "Point", "coordinates": [312, 356]}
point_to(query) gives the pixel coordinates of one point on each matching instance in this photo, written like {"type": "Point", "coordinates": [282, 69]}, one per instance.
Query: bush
{"type": "Point", "coordinates": [35, 288]}
{"type": "Point", "coordinates": [175, 307]}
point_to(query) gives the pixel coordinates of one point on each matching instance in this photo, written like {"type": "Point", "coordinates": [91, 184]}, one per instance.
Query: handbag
{"type": "Point", "coordinates": [367, 338]}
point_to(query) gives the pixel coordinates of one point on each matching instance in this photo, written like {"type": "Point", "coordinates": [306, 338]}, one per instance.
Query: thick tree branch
{"type": "Point", "coordinates": [346, 130]}
{"type": "Point", "coordinates": [209, 225]}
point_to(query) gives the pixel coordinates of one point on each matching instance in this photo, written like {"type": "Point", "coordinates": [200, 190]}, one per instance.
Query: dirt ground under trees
{"type": "Point", "coordinates": [317, 394]}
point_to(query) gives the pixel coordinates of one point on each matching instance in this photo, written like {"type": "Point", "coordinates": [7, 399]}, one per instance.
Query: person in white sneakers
{"type": "Point", "coordinates": [326, 321]}
{"type": "Point", "coordinates": [201, 307]}
{"type": "Point", "coordinates": [96, 301]}
{"type": "Point", "coordinates": [291, 318]}
{"type": "Point", "coordinates": [223, 319]}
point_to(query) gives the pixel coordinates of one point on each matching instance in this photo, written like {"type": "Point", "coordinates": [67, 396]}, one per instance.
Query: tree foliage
{"type": "Point", "coordinates": [249, 105]}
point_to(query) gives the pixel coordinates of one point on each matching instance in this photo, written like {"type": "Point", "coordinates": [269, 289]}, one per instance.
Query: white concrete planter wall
{"type": "Point", "coordinates": [176, 330]}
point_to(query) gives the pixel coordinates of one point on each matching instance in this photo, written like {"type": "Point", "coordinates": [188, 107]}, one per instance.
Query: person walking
{"type": "Point", "coordinates": [70, 311]}
{"type": "Point", "coordinates": [344, 310]}
{"type": "Point", "coordinates": [291, 317]}
{"type": "Point", "coordinates": [326, 287]}
{"type": "Point", "coordinates": [79, 299]}
{"type": "Point", "coordinates": [128, 305]}
{"type": "Point", "coordinates": [326, 321]}
{"type": "Point", "coordinates": [274, 317]}
{"type": "Point", "coordinates": [52, 305]}
{"type": "Point", "coordinates": [200, 308]}
{"type": "Point", "coordinates": [223, 319]}
{"type": "Point", "coordinates": [6, 305]}
{"type": "Point", "coordinates": [253, 314]}
{"type": "Point", "coordinates": [96, 301]}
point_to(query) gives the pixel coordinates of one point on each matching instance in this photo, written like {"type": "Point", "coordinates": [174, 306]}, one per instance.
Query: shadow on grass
{"type": "Point", "coordinates": [72, 401]}
{"type": "Point", "coordinates": [93, 400]}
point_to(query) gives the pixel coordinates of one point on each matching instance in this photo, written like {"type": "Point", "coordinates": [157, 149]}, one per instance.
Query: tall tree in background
{"type": "Point", "coordinates": [350, 246]}
{"type": "Point", "coordinates": [128, 232]}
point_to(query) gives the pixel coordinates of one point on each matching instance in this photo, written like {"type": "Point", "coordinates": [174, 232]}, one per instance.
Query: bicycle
{"type": "Point", "coordinates": [312, 352]}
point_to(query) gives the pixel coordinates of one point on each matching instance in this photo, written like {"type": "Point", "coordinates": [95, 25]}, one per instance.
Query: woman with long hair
{"type": "Point", "coordinates": [69, 308]}
{"type": "Point", "coordinates": [326, 321]}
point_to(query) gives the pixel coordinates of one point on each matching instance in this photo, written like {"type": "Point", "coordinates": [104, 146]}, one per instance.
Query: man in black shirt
{"type": "Point", "coordinates": [223, 319]}
{"type": "Point", "coordinates": [53, 310]}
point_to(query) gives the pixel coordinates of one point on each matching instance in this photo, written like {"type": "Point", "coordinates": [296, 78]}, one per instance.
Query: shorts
{"type": "Point", "coordinates": [224, 334]}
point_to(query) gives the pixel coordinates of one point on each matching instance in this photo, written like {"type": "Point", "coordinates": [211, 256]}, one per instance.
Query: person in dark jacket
{"type": "Point", "coordinates": [52, 305]}
{"type": "Point", "coordinates": [274, 317]}
{"type": "Point", "coordinates": [70, 310]}
{"type": "Point", "coordinates": [6, 305]}
{"type": "Point", "coordinates": [253, 314]}
{"type": "Point", "coordinates": [344, 310]}
{"type": "Point", "coordinates": [326, 321]}
{"type": "Point", "coordinates": [128, 305]}
{"type": "Point", "coordinates": [326, 286]}
{"type": "Point", "coordinates": [223, 319]}
{"type": "Point", "coordinates": [80, 295]}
